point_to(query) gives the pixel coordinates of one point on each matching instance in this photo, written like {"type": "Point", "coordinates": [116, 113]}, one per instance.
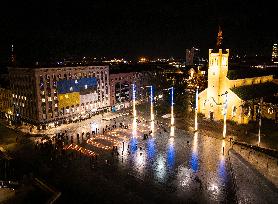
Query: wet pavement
{"type": "Point", "coordinates": [252, 186]}
{"type": "Point", "coordinates": [191, 166]}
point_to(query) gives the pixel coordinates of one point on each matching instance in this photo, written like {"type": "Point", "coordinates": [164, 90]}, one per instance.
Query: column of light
{"type": "Point", "coordinates": [196, 111]}
{"type": "Point", "coordinates": [134, 125]}
{"type": "Point", "coordinates": [225, 114]}
{"type": "Point", "coordinates": [260, 122]}
{"type": "Point", "coordinates": [152, 112]}
{"type": "Point", "coordinates": [172, 106]}
{"type": "Point", "coordinates": [133, 99]}
{"type": "Point", "coordinates": [172, 129]}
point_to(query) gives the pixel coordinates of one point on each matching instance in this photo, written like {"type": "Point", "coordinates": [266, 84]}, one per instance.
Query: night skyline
{"type": "Point", "coordinates": [101, 28]}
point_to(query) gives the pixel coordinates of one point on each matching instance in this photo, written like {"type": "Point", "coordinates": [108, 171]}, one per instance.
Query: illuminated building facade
{"type": "Point", "coordinates": [234, 97]}
{"type": "Point", "coordinates": [121, 88]}
{"type": "Point", "coordinates": [5, 103]}
{"type": "Point", "coordinates": [274, 57]}
{"type": "Point", "coordinates": [51, 96]}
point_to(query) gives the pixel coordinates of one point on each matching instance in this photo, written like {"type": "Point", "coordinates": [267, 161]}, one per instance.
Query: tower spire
{"type": "Point", "coordinates": [13, 60]}
{"type": "Point", "coordinates": [219, 38]}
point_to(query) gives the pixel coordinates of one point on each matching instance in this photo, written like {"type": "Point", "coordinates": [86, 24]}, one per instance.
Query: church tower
{"type": "Point", "coordinates": [217, 79]}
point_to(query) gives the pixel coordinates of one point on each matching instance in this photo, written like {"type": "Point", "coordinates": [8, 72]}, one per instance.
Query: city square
{"type": "Point", "coordinates": [138, 102]}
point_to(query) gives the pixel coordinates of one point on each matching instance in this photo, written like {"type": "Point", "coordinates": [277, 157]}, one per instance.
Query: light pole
{"type": "Point", "coordinates": [196, 110]}
{"type": "Point", "coordinates": [172, 111]}
{"type": "Point", "coordinates": [172, 106]}
{"type": "Point", "coordinates": [134, 124]}
{"type": "Point", "coordinates": [260, 121]}
{"type": "Point", "coordinates": [172, 130]}
{"type": "Point", "coordinates": [152, 112]}
{"type": "Point", "coordinates": [225, 114]}
{"type": "Point", "coordinates": [151, 99]}
{"type": "Point", "coordinates": [134, 99]}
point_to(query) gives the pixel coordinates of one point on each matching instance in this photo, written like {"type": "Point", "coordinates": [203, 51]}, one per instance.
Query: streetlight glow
{"type": "Point", "coordinates": [196, 110]}
{"type": "Point", "coordinates": [225, 114]}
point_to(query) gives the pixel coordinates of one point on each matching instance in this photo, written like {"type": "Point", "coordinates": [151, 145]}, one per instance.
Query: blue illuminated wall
{"type": "Point", "coordinates": [64, 86]}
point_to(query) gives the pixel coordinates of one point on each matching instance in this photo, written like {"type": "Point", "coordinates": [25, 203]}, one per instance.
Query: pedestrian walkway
{"type": "Point", "coordinates": [252, 186]}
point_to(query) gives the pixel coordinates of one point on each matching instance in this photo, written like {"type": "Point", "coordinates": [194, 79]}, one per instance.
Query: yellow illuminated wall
{"type": "Point", "coordinates": [68, 99]}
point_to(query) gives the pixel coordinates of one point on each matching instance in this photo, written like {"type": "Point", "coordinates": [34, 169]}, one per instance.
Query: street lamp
{"type": "Point", "coordinates": [225, 113]}
{"type": "Point", "coordinates": [134, 99]}
{"type": "Point", "coordinates": [172, 106]}
{"type": "Point", "coordinates": [152, 112]}
{"type": "Point", "coordinates": [172, 110]}
{"type": "Point", "coordinates": [134, 124]}
{"type": "Point", "coordinates": [260, 121]}
{"type": "Point", "coordinates": [196, 110]}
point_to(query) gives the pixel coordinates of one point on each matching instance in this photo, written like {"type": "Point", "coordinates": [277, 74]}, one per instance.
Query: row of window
{"type": "Point", "coordinates": [73, 109]}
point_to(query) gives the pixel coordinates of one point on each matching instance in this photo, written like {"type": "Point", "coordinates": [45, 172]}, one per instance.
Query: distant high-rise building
{"type": "Point", "coordinates": [274, 57]}
{"type": "Point", "coordinates": [192, 56]}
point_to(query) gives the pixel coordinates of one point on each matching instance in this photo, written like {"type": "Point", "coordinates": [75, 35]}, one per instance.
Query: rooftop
{"type": "Point", "coordinates": [242, 73]}
{"type": "Point", "coordinates": [255, 91]}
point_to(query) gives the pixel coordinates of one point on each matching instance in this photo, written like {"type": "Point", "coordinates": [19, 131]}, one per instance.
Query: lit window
{"type": "Point", "coordinates": [56, 105]}
{"type": "Point", "coordinates": [270, 110]}
{"type": "Point", "coordinates": [49, 99]}
{"type": "Point", "coordinates": [43, 99]}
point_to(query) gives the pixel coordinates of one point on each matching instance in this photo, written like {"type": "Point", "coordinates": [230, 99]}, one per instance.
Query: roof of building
{"type": "Point", "coordinates": [125, 68]}
{"type": "Point", "coordinates": [256, 91]}
{"type": "Point", "coordinates": [240, 73]}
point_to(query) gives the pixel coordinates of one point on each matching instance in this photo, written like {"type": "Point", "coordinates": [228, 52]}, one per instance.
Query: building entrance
{"type": "Point", "coordinates": [211, 115]}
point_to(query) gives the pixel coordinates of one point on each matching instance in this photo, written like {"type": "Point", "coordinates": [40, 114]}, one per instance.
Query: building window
{"type": "Point", "coordinates": [270, 111]}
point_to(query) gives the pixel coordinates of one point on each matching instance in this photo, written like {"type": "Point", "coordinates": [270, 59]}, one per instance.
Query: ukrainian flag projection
{"type": "Point", "coordinates": [71, 92]}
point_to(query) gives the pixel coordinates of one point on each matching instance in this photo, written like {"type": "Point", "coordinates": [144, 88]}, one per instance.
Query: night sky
{"type": "Point", "coordinates": [42, 30]}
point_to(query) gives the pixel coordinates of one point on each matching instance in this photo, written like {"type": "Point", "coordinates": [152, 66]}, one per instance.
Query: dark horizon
{"type": "Point", "coordinates": [41, 31]}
